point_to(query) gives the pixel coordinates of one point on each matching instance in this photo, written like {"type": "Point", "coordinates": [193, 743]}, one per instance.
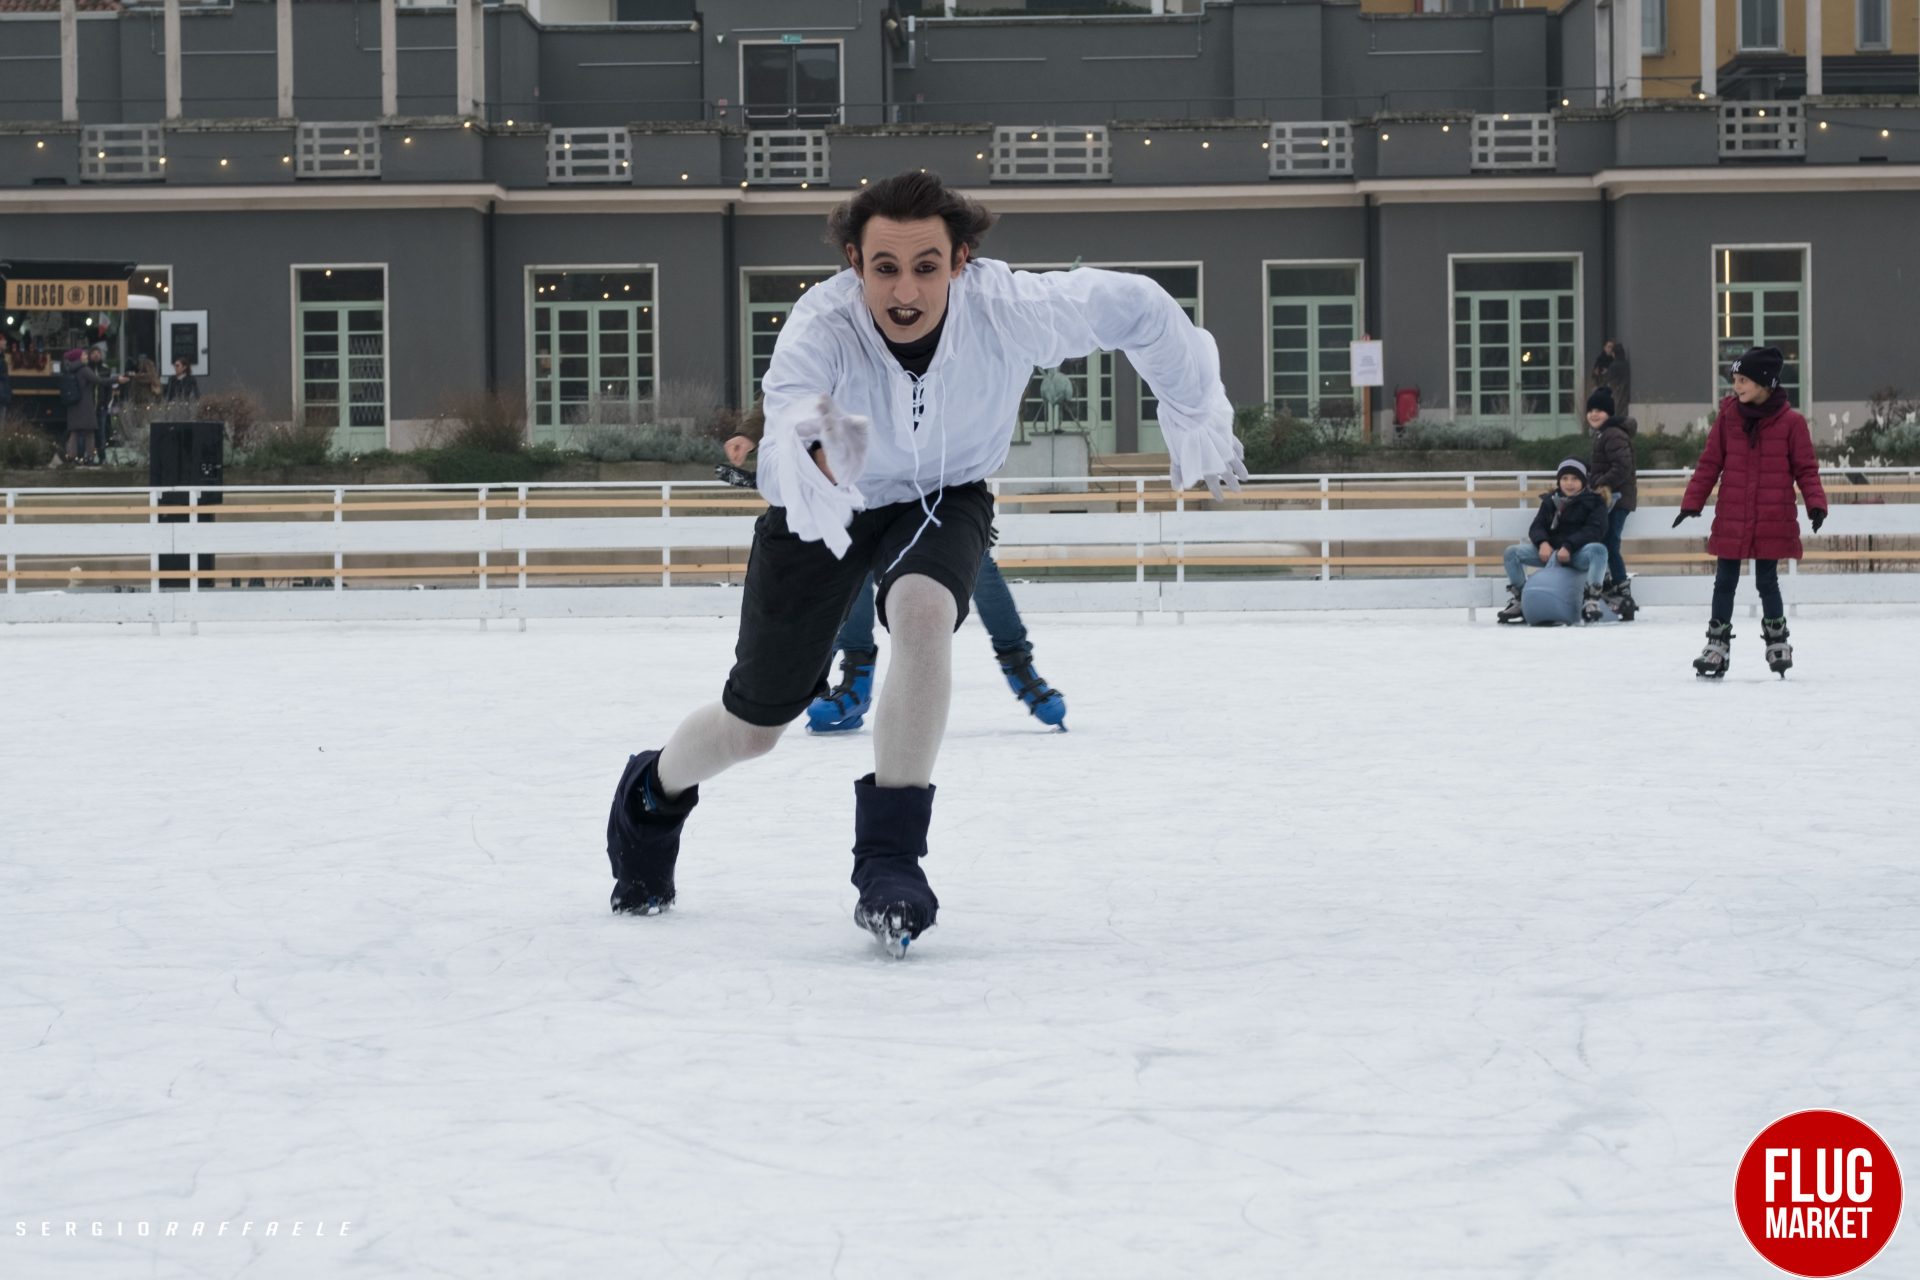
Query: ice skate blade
{"type": "Point", "coordinates": [651, 905]}
{"type": "Point", "coordinates": [889, 928]}
{"type": "Point", "coordinates": [835, 726]}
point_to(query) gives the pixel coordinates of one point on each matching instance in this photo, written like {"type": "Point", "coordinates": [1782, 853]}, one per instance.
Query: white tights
{"type": "Point", "coordinates": [910, 719]}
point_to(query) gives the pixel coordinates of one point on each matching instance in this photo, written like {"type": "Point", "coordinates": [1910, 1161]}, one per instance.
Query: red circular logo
{"type": "Point", "coordinates": [1818, 1193]}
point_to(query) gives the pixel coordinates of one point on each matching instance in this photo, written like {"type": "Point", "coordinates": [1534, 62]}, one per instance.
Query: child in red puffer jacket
{"type": "Point", "coordinates": [1759, 450]}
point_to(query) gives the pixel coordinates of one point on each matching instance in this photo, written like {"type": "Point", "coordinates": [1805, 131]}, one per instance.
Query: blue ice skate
{"type": "Point", "coordinates": [845, 708]}
{"type": "Point", "coordinates": [1048, 705]}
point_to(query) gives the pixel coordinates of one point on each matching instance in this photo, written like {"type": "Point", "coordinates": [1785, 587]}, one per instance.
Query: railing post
{"type": "Point", "coordinates": [1473, 547]}
{"type": "Point", "coordinates": [339, 560]}
{"type": "Point", "coordinates": [10, 555]}
{"type": "Point", "coordinates": [193, 563]}
{"type": "Point", "coordinates": [1326, 547]}
{"type": "Point", "coordinates": [483, 559]}
{"type": "Point", "coordinates": [523, 559]}
{"type": "Point", "coordinates": [666, 549]}
{"type": "Point", "coordinates": [1180, 561]}
{"type": "Point", "coordinates": [1140, 553]}
{"type": "Point", "coordinates": [153, 559]}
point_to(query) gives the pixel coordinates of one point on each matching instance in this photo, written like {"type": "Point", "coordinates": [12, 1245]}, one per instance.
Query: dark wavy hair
{"type": "Point", "coordinates": [909, 197]}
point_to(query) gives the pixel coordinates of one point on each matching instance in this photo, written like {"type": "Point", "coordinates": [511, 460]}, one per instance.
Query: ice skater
{"type": "Point", "coordinates": [892, 394]}
{"type": "Point", "coordinates": [845, 707]}
{"type": "Point", "coordinates": [1758, 450]}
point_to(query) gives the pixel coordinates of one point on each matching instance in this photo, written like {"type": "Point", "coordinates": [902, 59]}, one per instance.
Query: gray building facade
{"type": "Point", "coordinates": [381, 209]}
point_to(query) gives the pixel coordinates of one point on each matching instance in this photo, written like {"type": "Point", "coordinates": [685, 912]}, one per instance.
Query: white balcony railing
{"type": "Point", "coordinates": [1052, 153]}
{"type": "Point", "coordinates": [349, 150]}
{"type": "Point", "coordinates": [1762, 129]}
{"type": "Point", "coordinates": [1298, 148]}
{"type": "Point", "coordinates": [589, 155]}
{"type": "Point", "coordinates": [122, 153]}
{"type": "Point", "coordinates": [787, 157]}
{"type": "Point", "coordinates": [1513, 140]}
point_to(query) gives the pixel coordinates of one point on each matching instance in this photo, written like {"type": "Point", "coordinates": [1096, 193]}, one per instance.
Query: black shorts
{"type": "Point", "coordinates": [798, 594]}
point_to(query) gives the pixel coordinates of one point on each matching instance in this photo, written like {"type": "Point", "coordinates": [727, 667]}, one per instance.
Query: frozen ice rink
{"type": "Point", "coordinates": [1324, 945]}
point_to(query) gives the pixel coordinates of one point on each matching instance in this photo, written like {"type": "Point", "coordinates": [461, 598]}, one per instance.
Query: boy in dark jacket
{"type": "Point", "coordinates": [1613, 477]}
{"type": "Point", "coordinates": [1571, 527]}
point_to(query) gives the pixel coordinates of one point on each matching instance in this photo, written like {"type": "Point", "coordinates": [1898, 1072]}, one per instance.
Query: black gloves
{"type": "Point", "coordinates": [1818, 515]}
{"type": "Point", "coordinates": [1689, 513]}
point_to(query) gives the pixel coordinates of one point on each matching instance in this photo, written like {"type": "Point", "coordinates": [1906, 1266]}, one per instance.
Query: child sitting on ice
{"type": "Point", "coordinates": [1571, 528]}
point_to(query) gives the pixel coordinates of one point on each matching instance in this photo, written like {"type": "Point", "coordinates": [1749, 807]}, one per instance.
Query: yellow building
{"type": "Point", "coordinates": [1866, 46]}
{"type": "Point", "coordinates": [1863, 44]}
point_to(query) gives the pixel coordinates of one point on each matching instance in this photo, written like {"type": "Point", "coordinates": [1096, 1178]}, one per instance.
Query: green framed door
{"type": "Point", "coordinates": [1312, 354]}
{"type": "Point", "coordinates": [343, 372]}
{"type": "Point", "coordinates": [1514, 359]}
{"type": "Point", "coordinates": [593, 365]}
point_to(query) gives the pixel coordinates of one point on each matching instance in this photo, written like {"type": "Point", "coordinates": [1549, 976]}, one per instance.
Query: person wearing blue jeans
{"type": "Point", "coordinates": [1571, 527]}
{"type": "Point", "coordinates": [845, 708]}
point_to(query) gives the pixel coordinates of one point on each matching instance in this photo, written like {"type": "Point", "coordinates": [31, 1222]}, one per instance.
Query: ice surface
{"type": "Point", "coordinates": [1324, 945]}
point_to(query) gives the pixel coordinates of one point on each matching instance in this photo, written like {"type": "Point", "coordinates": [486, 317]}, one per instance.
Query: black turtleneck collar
{"type": "Point", "coordinates": [916, 356]}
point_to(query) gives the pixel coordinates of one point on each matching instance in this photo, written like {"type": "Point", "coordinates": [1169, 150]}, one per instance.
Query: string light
{"type": "Point", "coordinates": [223, 162]}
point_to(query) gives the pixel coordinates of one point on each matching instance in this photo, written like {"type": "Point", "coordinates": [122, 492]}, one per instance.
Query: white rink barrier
{"type": "Point", "coordinates": [497, 552]}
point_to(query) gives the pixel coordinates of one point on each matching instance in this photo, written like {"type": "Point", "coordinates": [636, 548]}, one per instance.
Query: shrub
{"type": "Point", "coordinates": [23, 447]}
{"type": "Point", "coordinates": [285, 444]}
{"type": "Point", "coordinates": [239, 408]}
{"type": "Point", "coordinates": [460, 465]}
{"type": "Point", "coordinates": [1274, 442]}
{"type": "Point", "coordinates": [1426, 435]}
{"type": "Point", "coordinates": [485, 422]}
{"type": "Point", "coordinates": [647, 444]}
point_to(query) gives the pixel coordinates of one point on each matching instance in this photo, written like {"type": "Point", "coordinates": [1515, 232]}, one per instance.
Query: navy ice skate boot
{"type": "Point", "coordinates": [1779, 652]}
{"type": "Point", "coordinates": [1715, 658]}
{"type": "Point", "coordinates": [896, 903]}
{"type": "Point", "coordinates": [1619, 598]}
{"type": "Point", "coordinates": [845, 708]}
{"type": "Point", "coordinates": [1048, 705]}
{"type": "Point", "coordinates": [643, 838]}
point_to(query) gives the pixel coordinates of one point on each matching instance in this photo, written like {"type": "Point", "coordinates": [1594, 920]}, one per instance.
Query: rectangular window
{"type": "Point", "coordinates": [1760, 300]}
{"type": "Point", "coordinates": [1875, 25]}
{"type": "Point", "coordinates": [1313, 317]}
{"type": "Point", "coordinates": [1653, 27]}
{"type": "Point", "coordinates": [341, 342]}
{"type": "Point", "coordinates": [790, 86]}
{"type": "Point", "coordinates": [1761, 25]}
{"type": "Point", "coordinates": [770, 298]}
{"type": "Point", "coordinates": [1515, 336]}
{"type": "Point", "coordinates": [593, 347]}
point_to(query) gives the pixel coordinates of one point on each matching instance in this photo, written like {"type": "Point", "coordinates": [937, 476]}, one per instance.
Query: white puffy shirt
{"type": "Point", "coordinates": [1001, 324]}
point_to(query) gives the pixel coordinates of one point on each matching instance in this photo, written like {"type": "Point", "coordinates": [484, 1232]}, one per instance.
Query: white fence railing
{"type": "Point", "coordinates": [1052, 153]}
{"type": "Point", "coordinates": [122, 153]}
{"type": "Point", "coordinates": [1511, 140]}
{"type": "Point", "coordinates": [788, 157]}
{"type": "Point", "coordinates": [589, 155]}
{"type": "Point", "coordinates": [1762, 129]}
{"type": "Point", "coordinates": [1304, 148]}
{"type": "Point", "coordinates": [571, 550]}
{"type": "Point", "coordinates": [345, 150]}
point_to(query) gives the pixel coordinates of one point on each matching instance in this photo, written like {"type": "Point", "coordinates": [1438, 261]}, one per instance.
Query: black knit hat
{"type": "Point", "coordinates": [1761, 364]}
{"type": "Point", "coordinates": [1574, 465]}
{"type": "Point", "coordinates": [1601, 399]}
